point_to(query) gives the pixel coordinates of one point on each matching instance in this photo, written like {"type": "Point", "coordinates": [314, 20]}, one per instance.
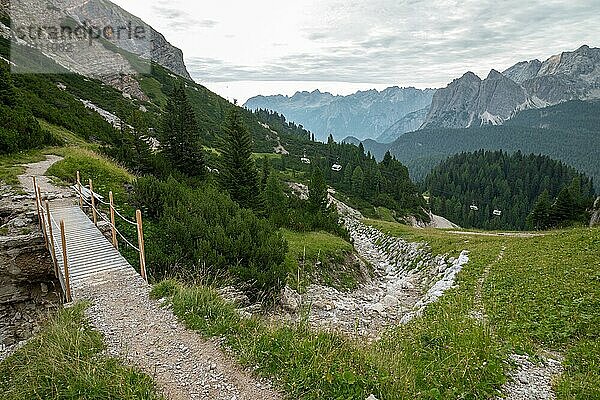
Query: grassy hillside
{"type": "Point", "coordinates": [541, 295]}
{"type": "Point", "coordinates": [62, 107]}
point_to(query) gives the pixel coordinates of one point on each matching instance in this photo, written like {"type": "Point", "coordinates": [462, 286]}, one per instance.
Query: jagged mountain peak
{"type": "Point", "coordinates": [468, 100]}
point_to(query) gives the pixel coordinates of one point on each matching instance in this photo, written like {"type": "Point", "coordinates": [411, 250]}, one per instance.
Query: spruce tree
{"type": "Point", "coordinates": [317, 189]}
{"type": "Point", "coordinates": [8, 96]}
{"type": "Point", "coordinates": [180, 136]}
{"type": "Point", "coordinates": [238, 172]}
{"type": "Point", "coordinates": [539, 219]}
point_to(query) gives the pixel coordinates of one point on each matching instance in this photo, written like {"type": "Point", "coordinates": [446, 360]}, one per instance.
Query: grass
{"type": "Point", "coordinates": [66, 136]}
{"type": "Point", "coordinates": [543, 295]}
{"type": "Point", "coordinates": [270, 156]}
{"type": "Point", "coordinates": [66, 361]}
{"type": "Point", "coordinates": [106, 175]}
{"type": "Point", "coordinates": [336, 269]}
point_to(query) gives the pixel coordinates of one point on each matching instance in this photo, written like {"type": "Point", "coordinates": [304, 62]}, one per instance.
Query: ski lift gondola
{"type": "Point", "coordinates": [305, 160]}
{"type": "Point", "coordinates": [336, 167]}
{"type": "Point", "coordinates": [474, 207]}
{"type": "Point", "coordinates": [497, 213]}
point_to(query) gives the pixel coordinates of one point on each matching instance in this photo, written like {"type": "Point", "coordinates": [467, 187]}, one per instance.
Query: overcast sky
{"type": "Point", "coordinates": [244, 48]}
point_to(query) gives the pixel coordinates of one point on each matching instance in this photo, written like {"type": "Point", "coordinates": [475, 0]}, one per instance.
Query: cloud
{"type": "Point", "coordinates": [425, 43]}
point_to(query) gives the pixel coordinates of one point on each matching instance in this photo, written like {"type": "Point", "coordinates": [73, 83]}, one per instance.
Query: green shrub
{"type": "Point", "coordinates": [196, 232]}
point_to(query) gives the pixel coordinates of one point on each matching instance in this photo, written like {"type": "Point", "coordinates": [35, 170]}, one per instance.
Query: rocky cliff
{"type": "Point", "coordinates": [365, 114]}
{"type": "Point", "coordinates": [470, 101]}
{"type": "Point", "coordinates": [115, 57]}
{"type": "Point", "coordinates": [409, 123]}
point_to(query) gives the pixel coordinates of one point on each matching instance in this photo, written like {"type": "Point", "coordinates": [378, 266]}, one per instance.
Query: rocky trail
{"type": "Point", "coordinates": [142, 332]}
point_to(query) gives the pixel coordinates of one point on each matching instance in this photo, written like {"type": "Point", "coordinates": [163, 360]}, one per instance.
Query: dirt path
{"type": "Point", "coordinates": [498, 234]}
{"type": "Point", "coordinates": [38, 170]}
{"type": "Point", "coordinates": [137, 329]}
{"type": "Point", "coordinates": [184, 365]}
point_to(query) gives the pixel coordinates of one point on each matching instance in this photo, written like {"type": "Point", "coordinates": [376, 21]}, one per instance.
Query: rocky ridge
{"type": "Point", "coordinates": [469, 101]}
{"type": "Point", "coordinates": [117, 62]}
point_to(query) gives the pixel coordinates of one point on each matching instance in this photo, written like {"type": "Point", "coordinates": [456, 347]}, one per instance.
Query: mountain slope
{"type": "Point", "coordinates": [567, 132]}
{"type": "Point", "coordinates": [409, 123]}
{"type": "Point", "coordinates": [469, 101]}
{"type": "Point", "coordinates": [117, 56]}
{"type": "Point", "coordinates": [365, 114]}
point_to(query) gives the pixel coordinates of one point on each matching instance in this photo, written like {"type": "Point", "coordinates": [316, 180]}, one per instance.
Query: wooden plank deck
{"type": "Point", "coordinates": [89, 252]}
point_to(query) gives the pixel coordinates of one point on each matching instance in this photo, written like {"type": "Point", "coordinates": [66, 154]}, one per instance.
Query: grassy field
{"type": "Point", "coordinates": [543, 295]}
{"type": "Point", "coordinates": [307, 249]}
{"type": "Point", "coordinates": [66, 361]}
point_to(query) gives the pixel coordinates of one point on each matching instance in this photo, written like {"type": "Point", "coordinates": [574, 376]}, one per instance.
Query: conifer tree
{"type": "Point", "coordinates": [7, 90]}
{"type": "Point", "coordinates": [180, 137]}
{"type": "Point", "coordinates": [539, 218]}
{"type": "Point", "coordinates": [238, 172]}
{"type": "Point", "coordinates": [317, 197]}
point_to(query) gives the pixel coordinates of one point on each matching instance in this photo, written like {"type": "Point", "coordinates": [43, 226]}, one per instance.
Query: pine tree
{"type": "Point", "coordinates": [140, 142]}
{"type": "Point", "coordinates": [238, 172]}
{"type": "Point", "coordinates": [8, 94]}
{"type": "Point", "coordinates": [539, 218]}
{"type": "Point", "coordinates": [358, 177]}
{"type": "Point", "coordinates": [317, 197]}
{"type": "Point", "coordinates": [180, 137]}
{"type": "Point", "coordinates": [274, 200]}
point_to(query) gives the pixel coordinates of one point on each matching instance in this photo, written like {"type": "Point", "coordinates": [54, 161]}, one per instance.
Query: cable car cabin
{"type": "Point", "coordinates": [305, 160]}
{"type": "Point", "coordinates": [497, 213]}
{"type": "Point", "coordinates": [474, 208]}
{"type": "Point", "coordinates": [336, 167]}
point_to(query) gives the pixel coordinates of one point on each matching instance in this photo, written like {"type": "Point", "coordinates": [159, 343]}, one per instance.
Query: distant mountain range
{"type": "Point", "coordinates": [468, 101]}
{"type": "Point", "coordinates": [365, 114]}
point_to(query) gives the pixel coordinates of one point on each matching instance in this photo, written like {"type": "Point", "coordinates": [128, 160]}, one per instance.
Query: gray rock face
{"type": "Point", "coordinates": [365, 114]}
{"type": "Point", "coordinates": [106, 60]}
{"type": "Point", "coordinates": [523, 71]}
{"type": "Point", "coordinates": [409, 123]}
{"type": "Point", "coordinates": [469, 101]}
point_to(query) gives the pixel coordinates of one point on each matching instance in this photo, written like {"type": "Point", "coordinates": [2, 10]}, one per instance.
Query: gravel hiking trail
{"type": "Point", "coordinates": [140, 331]}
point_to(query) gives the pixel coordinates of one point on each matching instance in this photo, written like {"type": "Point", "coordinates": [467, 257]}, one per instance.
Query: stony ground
{"type": "Point", "coordinates": [406, 278]}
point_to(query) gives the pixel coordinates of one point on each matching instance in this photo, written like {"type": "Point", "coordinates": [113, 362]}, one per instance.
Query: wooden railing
{"type": "Point", "coordinates": [92, 199]}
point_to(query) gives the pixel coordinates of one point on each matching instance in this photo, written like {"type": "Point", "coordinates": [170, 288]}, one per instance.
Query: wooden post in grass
{"type": "Point", "coordinates": [41, 211]}
{"type": "Point", "coordinates": [65, 262]}
{"type": "Point", "coordinates": [140, 231]}
{"type": "Point", "coordinates": [112, 221]}
{"type": "Point", "coordinates": [79, 190]}
{"type": "Point", "coordinates": [93, 203]}
{"type": "Point", "coordinates": [51, 232]}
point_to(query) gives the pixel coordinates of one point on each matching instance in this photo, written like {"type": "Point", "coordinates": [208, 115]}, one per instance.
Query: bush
{"type": "Point", "coordinates": [197, 231]}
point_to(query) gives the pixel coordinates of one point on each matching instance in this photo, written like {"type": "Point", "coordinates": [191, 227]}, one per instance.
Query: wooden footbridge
{"type": "Point", "coordinates": [79, 250]}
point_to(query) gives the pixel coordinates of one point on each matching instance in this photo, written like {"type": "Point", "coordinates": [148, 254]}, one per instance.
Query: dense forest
{"type": "Point", "coordinates": [495, 190]}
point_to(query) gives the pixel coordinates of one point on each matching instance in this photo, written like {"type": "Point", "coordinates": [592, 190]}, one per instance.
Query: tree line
{"type": "Point", "coordinates": [496, 190]}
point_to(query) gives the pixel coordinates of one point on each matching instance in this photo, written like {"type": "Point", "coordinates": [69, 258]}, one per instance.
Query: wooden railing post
{"type": "Point", "coordinates": [51, 231]}
{"type": "Point", "coordinates": [79, 190]}
{"type": "Point", "coordinates": [65, 262]}
{"type": "Point", "coordinates": [37, 201]}
{"type": "Point", "coordinates": [140, 231]}
{"type": "Point", "coordinates": [93, 203]}
{"type": "Point", "coordinates": [40, 210]}
{"type": "Point", "coordinates": [112, 221]}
